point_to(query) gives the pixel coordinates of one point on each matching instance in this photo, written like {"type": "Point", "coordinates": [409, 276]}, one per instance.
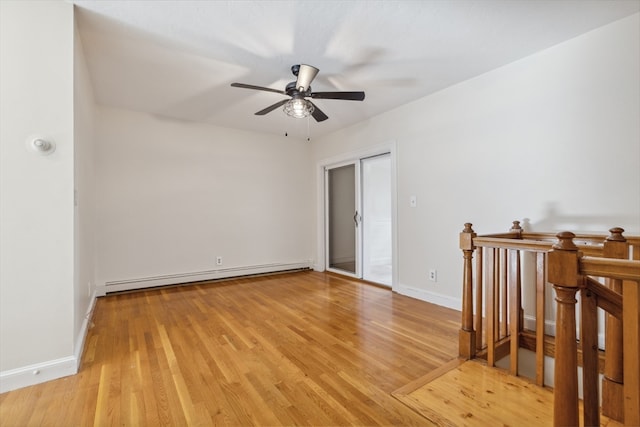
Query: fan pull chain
{"type": "Point", "coordinates": [308, 137]}
{"type": "Point", "coordinates": [284, 122]}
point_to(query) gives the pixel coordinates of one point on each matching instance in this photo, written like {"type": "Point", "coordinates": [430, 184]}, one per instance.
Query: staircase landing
{"type": "Point", "coordinates": [468, 393]}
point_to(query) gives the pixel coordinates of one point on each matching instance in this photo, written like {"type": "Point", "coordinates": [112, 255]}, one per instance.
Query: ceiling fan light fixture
{"type": "Point", "coordinates": [298, 108]}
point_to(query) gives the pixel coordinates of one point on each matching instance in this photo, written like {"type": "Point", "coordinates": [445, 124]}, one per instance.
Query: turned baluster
{"type": "Point", "coordinates": [563, 274]}
{"type": "Point", "coordinates": [612, 384]}
{"type": "Point", "coordinates": [467, 336]}
{"type": "Point", "coordinates": [479, 296]}
{"type": "Point", "coordinates": [516, 313]}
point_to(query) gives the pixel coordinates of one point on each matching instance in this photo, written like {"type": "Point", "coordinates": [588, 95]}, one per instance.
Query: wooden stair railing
{"type": "Point", "coordinates": [563, 274]}
{"type": "Point", "coordinates": [612, 384]}
{"type": "Point", "coordinates": [570, 271]}
{"type": "Point", "coordinates": [495, 328]}
{"type": "Point", "coordinates": [493, 320]}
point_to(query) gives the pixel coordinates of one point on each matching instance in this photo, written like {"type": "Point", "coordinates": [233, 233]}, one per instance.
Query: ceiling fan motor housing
{"type": "Point", "coordinates": [292, 90]}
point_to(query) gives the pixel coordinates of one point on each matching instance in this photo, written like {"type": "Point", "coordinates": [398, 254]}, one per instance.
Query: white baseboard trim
{"type": "Point", "coordinates": [549, 325]}
{"type": "Point", "coordinates": [38, 373]}
{"type": "Point", "coordinates": [176, 279]}
{"type": "Point", "coordinates": [550, 328]}
{"type": "Point", "coordinates": [428, 296]}
{"type": "Point", "coordinates": [25, 376]}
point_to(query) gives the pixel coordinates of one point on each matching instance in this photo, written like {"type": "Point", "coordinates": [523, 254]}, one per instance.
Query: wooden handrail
{"type": "Point", "coordinates": [620, 269]}
{"type": "Point", "coordinates": [551, 237]}
{"type": "Point", "coordinates": [569, 269]}
{"type": "Point", "coordinates": [564, 260]}
{"type": "Point", "coordinates": [584, 237]}
{"type": "Point", "coordinates": [511, 243]}
{"type": "Point", "coordinates": [530, 244]}
{"type": "Point", "coordinates": [610, 301]}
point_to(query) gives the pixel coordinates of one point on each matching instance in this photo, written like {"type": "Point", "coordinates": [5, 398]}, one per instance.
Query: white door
{"type": "Point", "coordinates": [376, 219]}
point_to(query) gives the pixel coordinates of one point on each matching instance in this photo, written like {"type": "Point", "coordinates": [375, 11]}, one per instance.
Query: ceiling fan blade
{"type": "Point", "coordinates": [266, 89]}
{"type": "Point", "coordinates": [318, 114]}
{"type": "Point", "coordinates": [349, 96]}
{"type": "Point", "coordinates": [271, 107]}
{"type": "Point", "coordinates": [306, 74]}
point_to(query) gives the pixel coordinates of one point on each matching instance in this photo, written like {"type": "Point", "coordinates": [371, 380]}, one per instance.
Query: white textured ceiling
{"type": "Point", "coordinates": [176, 59]}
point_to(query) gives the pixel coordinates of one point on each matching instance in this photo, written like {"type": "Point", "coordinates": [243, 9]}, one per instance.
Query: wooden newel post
{"type": "Point", "coordinates": [612, 384]}
{"type": "Point", "coordinates": [515, 228]}
{"type": "Point", "coordinates": [467, 336]}
{"type": "Point", "coordinates": [563, 274]}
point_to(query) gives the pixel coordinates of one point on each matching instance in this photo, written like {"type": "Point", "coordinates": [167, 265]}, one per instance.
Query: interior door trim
{"type": "Point", "coordinates": [388, 147]}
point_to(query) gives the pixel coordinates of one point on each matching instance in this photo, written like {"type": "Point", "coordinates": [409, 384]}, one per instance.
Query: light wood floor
{"type": "Point", "coordinates": [471, 394]}
{"type": "Point", "coordinates": [295, 349]}
{"type": "Point", "coordinates": [468, 394]}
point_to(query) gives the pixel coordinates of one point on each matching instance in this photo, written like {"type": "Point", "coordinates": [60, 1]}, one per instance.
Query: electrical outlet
{"type": "Point", "coordinates": [433, 275]}
{"type": "Point", "coordinates": [218, 260]}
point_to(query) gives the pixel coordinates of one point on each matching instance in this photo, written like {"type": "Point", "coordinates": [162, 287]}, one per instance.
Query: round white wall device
{"type": "Point", "coordinates": [41, 145]}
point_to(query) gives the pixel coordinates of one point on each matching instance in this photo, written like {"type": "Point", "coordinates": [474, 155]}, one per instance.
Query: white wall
{"type": "Point", "coordinates": [36, 206]}
{"type": "Point", "coordinates": [84, 224]}
{"type": "Point", "coordinates": [174, 195]}
{"type": "Point", "coordinates": [552, 140]}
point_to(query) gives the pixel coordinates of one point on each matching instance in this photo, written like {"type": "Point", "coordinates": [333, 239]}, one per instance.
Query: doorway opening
{"type": "Point", "coordinates": [359, 218]}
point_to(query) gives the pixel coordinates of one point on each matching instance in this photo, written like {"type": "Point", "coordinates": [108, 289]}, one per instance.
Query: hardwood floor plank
{"type": "Point", "coordinates": [472, 394]}
{"type": "Point", "coordinates": [301, 348]}
{"type": "Point", "coordinates": [103, 390]}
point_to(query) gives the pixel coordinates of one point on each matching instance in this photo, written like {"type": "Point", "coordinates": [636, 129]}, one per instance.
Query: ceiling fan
{"type": "Point", "coordinates": [297, 106]}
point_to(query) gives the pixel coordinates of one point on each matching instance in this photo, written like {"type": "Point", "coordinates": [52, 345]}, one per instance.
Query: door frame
{"type": "Point", "coordinates": [388, 147]}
